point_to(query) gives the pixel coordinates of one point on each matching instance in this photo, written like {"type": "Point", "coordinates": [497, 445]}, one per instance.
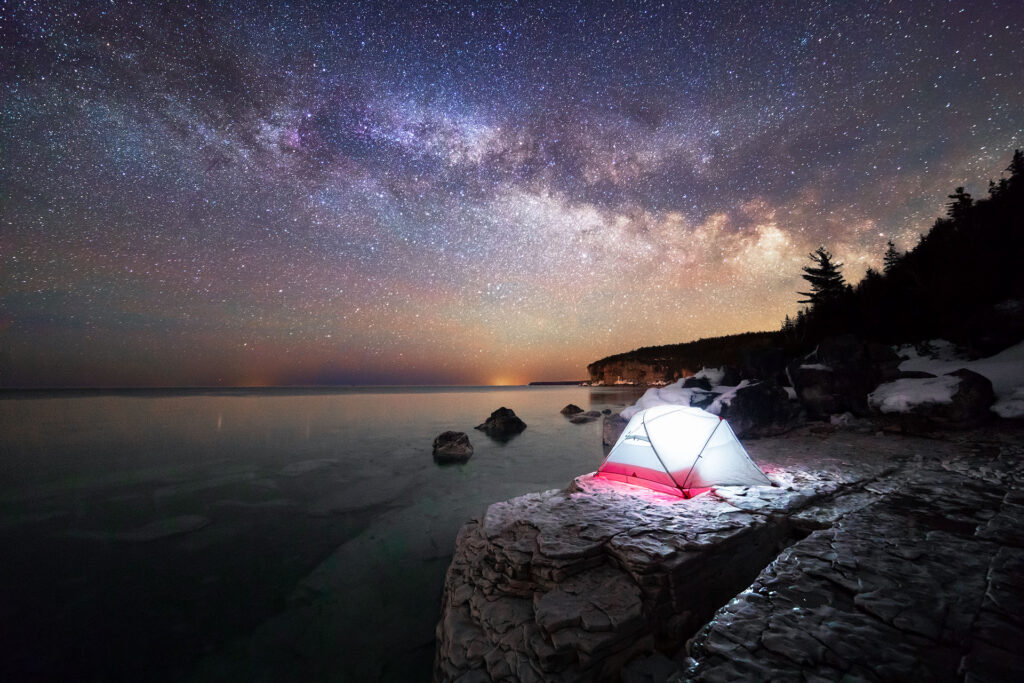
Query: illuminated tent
{"type": "Point", "coordinates": [681, 451]}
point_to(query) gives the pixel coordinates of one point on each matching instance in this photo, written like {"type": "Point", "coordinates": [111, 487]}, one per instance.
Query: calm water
{"type": "Point", "coordinates": [253, 535]}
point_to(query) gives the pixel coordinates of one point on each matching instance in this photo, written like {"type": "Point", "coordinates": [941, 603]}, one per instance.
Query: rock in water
{"type": "Point", "coordinates": [584, 418]}
{"type": "Point", "coordinates": [452, 447]}
{"type": "Point", "coordinates": [502, 424]}
{"type": "Point", "coordinates": [571, 409]}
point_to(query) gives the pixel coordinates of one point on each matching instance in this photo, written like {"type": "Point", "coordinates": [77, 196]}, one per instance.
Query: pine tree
{"type": "Point", "coordinates": [826, 280]}
{"type": "Point", "coordinates": [1016, 169]}
{"type": "Point", "coordinates": [787, 324]}
{"type": "Point", "coordinates": [960, 205]}
{"type": "Point", "coordinates": [892, 257]}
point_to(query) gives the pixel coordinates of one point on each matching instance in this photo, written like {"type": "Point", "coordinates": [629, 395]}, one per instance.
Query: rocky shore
{"type": "Point", "coordinates": [879, 556]}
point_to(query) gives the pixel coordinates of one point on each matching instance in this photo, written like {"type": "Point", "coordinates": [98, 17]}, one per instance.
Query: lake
{"type": "Point", "coordinates": [253, 534]}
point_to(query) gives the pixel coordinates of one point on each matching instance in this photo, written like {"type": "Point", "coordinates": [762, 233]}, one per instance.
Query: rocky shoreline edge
{"type": "Point", "coordinates": [878, 556]}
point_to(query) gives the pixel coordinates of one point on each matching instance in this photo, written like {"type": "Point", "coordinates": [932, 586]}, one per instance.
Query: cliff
{"type": "Point", "coordinates": [657, 364]}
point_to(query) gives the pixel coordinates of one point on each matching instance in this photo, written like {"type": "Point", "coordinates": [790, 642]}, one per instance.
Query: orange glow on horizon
{"type": "Point", "coordinates": [504, 381]}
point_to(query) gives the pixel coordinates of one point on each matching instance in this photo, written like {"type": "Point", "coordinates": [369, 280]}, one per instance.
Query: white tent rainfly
{"type": "Point", "coordinates": [681, 451]}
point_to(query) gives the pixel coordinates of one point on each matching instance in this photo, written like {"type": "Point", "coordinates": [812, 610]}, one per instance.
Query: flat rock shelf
{"type": "Point", "coordinates": [880, 557]}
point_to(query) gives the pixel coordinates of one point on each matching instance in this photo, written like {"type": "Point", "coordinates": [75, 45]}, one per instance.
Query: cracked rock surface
{"type": "Point", "coordinates": [926, 582]}
{"type": "Point", "coordinates": [876, 556]}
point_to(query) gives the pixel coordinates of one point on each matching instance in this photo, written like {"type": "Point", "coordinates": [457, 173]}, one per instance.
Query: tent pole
{"type": "Point", "coordinates": [700, 454]}
{"type": "Point", "coordinates": [658, 456]}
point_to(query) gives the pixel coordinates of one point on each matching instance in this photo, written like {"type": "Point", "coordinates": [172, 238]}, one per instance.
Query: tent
{"type": "Point", "coordinates": [680, 450]}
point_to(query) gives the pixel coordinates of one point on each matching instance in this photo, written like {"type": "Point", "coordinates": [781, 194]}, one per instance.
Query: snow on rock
{"type": "Point", "coordinates": [816, 366]}
{"type": "Point", "coordinates": [675, 394]}
{"type": "Point", "coordinates": [753, 408]}
{"type": "Point", "coordinates": [903, 395]}
{"type": "Point", "coordinates": [1005, 370]}
{"type": "Point", "coordinates": [713, 375]}
{"type": "Point", "coordinates": [920, 356]}
{"type": "Point", "coordinates": [1011, 405]}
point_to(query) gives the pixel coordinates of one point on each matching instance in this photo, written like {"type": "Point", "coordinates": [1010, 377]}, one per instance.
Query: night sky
{"type": "Point", "coordinates": [237, 194]}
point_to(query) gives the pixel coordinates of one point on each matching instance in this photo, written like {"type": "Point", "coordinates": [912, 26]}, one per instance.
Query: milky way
{"type": "Point", "coordinates": [240, 193]}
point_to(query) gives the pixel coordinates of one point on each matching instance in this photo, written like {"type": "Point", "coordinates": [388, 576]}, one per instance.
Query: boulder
{"type": "Point", "coordinates": [571, 409]}
{"type": "Point", "coordinates": [452, 447]}
{"type": "Point", "coordinates": [958, 400]}
{"type": "Point", "coordinates": [612, 429]}
{"type": "Point", "coordinates": [702, 399]}
{"type": "Point", "coordinates": [697, 383]}
{"type": "Point", "coordinates": [584, 418]}
{"type": "Point", "coordinates": [972, 400]}
{"type": "Point", "coordinates": [606, 411]}
{"type": "Point", "coordinates": [730, 376]}
{"type": "Point", "coordinates": [767, 362]}
{"type": "Point", "coordinates": [996, 328]}
{"type": "Point", "coordinates": [762, 409]}
{"type": "Point", "coordinates": [503, 424]}
{"type": "Point", "coordinates": [838, 375]}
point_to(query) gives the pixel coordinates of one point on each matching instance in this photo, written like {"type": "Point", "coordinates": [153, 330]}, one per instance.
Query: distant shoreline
{"type": "Point", "coordinates": [157, 392]}
{"type": "Point", "coordinates": [561, 383]}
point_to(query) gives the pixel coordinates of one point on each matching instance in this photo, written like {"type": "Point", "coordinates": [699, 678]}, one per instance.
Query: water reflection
{"type": "Point", "coordinates": [159, 535]}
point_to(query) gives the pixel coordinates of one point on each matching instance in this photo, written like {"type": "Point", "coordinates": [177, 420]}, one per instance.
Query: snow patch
{"type": "Point", "coordinates": [674, 394]}
{"type": "Point", "coordinates": [1012, 405]}
{"type": "Point", "coordinates": [919, 356]}
{"type": "Point", "coordinates": [1005, 370]}
{"type": "Point", "coordinates": [713, 375]}
{"type": "Point", "coordinates": [816, 366]}
{"type": "Point", "coordinates": [904, 395]}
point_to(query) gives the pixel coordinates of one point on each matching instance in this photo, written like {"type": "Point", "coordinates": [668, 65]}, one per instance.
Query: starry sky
{"type": "Point", "coordinates": [250, 193]}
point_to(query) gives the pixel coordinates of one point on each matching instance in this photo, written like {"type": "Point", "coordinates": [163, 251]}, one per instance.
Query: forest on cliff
{"type": "Point", "coordinates": [963, 281]}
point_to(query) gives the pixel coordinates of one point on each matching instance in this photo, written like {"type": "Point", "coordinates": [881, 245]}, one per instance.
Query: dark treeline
{"type": "Point", "coordinates": [947, 286]}
{"type": "Point", "coordinates": [691, 356]}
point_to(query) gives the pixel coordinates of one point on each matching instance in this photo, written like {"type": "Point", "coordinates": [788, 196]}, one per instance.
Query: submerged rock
{"type": "Point", "coordinates": [571, 409]}
{"type": "Point", "coordinates": [584, 418]}
{"type": "Point", "coordinates": [503, 424]}
{"type": "Point", "coordinates": [452, 447]}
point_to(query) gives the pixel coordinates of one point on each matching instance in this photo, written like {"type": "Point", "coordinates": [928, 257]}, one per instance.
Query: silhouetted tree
{"type": "Point", "coordinates": [827, 283]}
{"type": "Point", "coordinates": [961, 203]}
{"type": "Point", "coordinates": [946, 285]}
{"type": "Point", "coordinates": [1016, 167]}
{"type": "Point", "coordinates": [892, 257]}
